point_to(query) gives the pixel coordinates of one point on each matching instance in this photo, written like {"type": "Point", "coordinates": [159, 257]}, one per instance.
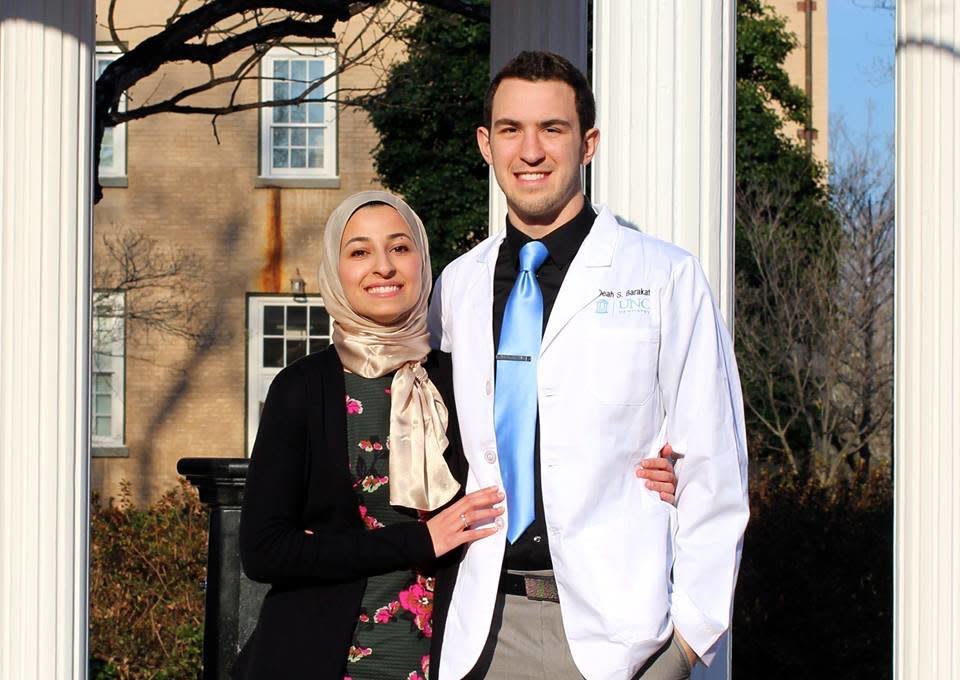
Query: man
{"type": "Point", "coordinates": [592, 575]}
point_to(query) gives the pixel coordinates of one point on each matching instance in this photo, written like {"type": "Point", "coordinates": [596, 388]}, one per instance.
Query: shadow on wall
{"type": "Point", "coordinates": [222, 292]}
{"type": "Point", "coordinates": [928, 44]}
{"type": "Point", "coordinates": [62, 16]}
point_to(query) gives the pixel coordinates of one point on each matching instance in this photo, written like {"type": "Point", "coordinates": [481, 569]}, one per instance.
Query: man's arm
{"type": "Point", "coordinates": [704, 410]}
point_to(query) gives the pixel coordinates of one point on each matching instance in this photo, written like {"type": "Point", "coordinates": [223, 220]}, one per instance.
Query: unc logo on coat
{"type": "Point", "coordinates": [633, 305]}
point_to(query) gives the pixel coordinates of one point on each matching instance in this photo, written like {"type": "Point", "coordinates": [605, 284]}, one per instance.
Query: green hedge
{"type": "Point", "coordinates": [814, 599]}
{"type": "Point", "coordinates": [815, 595]}
{"type": "Point", "coordinates": [146, 600]}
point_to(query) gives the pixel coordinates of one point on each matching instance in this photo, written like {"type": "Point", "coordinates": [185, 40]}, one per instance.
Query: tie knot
{"type": "Point", "coordinates": [532, 256]}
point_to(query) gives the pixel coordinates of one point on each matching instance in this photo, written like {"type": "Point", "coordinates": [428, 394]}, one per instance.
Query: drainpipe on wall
{"type": "Point", "coordinates": [809, 132]}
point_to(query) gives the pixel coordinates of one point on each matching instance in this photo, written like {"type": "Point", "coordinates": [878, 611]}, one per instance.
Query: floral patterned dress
{"type": "Point", "coordinates": [392, 637]}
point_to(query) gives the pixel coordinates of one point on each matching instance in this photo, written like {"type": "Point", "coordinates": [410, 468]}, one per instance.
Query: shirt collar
{"type": "Point", "coordinates": [562, 243]}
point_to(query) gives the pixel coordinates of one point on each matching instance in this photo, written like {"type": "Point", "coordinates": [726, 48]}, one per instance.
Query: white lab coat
{"type": "Point", "coordinates": [634, 354]}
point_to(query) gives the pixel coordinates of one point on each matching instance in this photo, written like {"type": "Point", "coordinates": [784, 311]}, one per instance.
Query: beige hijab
{"type": "Point", "coordinates": [419, 476]}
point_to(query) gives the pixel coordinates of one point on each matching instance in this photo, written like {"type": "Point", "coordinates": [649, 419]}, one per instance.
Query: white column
{"type": "Point", "coordinates": [664, 79]}
{"type": "Point", "coordinates": [927, 343]}
{"type": "Point", "coordinates": [45, 234]}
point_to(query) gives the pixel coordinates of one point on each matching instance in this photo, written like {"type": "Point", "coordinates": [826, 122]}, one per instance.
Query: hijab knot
{"type": "Point", "coordinates": [419, 476]}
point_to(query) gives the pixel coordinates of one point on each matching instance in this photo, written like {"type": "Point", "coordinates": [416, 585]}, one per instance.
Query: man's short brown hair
{"type": "Point", "coordinates": [536, 66]}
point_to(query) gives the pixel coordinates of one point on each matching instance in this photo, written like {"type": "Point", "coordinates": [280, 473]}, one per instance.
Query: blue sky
{"type": "Point", "coordinates": [861, 66]}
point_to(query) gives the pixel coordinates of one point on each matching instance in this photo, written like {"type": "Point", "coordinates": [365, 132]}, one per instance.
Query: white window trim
{"type": "Point", "coordinates": [112, 361]}
{"type": "Point", "coordinates": [256, 388]}
{"type": "Point", "coordinates": [330, 169]}
{"type": "Point", "coordinates": [119, 167]}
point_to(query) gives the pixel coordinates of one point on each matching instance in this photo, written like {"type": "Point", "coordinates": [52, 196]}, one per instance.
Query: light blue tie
{"type": "Point", "coordinates": [515, 401]}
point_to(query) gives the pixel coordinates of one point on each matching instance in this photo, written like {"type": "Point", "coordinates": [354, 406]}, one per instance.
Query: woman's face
{"type": "Point", "coordinates": [379, 264]}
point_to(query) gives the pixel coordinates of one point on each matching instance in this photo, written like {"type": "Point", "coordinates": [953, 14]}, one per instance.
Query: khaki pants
{"type": "Point", "coordinates": [527, 642]}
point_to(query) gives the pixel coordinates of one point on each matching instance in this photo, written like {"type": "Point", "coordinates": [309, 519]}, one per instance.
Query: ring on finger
{"type": "Point", "coordinates": [463, 519]}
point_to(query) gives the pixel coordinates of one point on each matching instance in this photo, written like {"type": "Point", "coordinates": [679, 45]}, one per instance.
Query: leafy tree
{"type": "Point", "coordinates": [426, 116]}
{"type": "Point", "coordinates": [778, 183]}
{"type": "Point", "coordinates": [766, 158]}
{"type": "Point", "coordinates": [432, 102]}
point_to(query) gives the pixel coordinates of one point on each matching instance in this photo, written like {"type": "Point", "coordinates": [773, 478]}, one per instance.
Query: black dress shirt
{"type": "Point", "coordinates": [532, 550]}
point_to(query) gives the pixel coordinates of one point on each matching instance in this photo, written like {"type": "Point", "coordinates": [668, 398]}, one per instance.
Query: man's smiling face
{"type": "Point", "coordinates": [536, 148]}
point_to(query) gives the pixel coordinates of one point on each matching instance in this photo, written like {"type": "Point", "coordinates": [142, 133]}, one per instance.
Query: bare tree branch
{"type": "Point", "coordinates": [467, 9]}
{"type": "Point", "coordinates": [815, 325]}
{"type": "Point", "coordinates": [214, 54]}
{"type": "Point", "coordinates": [164, 289]}
{"type": "Point", "coordinates": [888, 5]}
{"type": "Point", "coordinates": [112, 27]}
{"type": "Point", "coordinates": [217, 30]}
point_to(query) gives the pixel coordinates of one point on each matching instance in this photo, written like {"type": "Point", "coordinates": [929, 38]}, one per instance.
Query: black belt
{"type": "Point", "coordinates": [532, 587]}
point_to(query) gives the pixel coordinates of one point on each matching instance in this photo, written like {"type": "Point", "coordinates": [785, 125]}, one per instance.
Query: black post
{"type": "Point", "coordinates": [232, 600]}
{"type": "Point", "coordinates": [561, 26]}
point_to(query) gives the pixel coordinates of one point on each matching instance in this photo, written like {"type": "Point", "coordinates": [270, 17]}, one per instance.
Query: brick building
{"type": "Point", "coordinates": [807, 66]}
{"type": "Point", "coordinates": [248, 210]}
{"type": "Point", "coordinates": [240, 218]}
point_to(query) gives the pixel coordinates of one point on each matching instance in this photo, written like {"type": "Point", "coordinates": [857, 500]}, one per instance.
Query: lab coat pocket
{"type": "Point", "coordinates": [632, 569]}
{"type": "Point", "coordinates": [622, 364]}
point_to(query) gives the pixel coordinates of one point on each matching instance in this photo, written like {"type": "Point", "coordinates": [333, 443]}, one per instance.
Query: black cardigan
{"type": "Point", "coordinates": [299, 479]}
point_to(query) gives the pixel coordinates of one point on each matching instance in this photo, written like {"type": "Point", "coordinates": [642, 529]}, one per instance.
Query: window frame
{"type": "Point", "coordinates": [330, 169]}
{"type": "Point", "coordinates": [112, 361]}
{"type": "Point", "coordinates": [256, 382]}
{"type": "Point", "coordinates": [116, 174]}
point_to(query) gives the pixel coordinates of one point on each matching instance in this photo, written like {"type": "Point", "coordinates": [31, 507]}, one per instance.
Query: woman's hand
{"type": "Point", "coordinates": [452, 527]}
{"type": "Point", "coordinates": [659, 474]}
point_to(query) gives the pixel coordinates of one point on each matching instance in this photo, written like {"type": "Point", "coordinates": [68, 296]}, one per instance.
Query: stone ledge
{"type": "Point", "coordinates": [109, 452]}
{"type": "Point", "coordinates": [297, 182]}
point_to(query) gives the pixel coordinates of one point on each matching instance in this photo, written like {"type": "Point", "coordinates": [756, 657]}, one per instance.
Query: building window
{"type": "Point", "coordinates": [301, 140]}
{"type": "Point", "coordinates": [280, 330]}
{"type": "Point", "coordinates": [107, 384]}
{"type": "Point", "coordinates": [113, 149]}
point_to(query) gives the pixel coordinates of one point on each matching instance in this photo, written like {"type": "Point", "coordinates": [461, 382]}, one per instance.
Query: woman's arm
{"type": "Point", "coordinates": [274, 546]}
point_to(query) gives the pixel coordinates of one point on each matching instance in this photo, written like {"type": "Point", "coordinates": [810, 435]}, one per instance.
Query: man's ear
{"type": "Point", "coordinates": [483, 141]}
{"type": "Point", "coordinates": [590, 142]}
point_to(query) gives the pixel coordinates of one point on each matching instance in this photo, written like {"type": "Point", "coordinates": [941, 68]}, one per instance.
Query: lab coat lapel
{"type": "Point", "coordinates": [479, 299]}
{"type": "Point", "coordinates": [584, 280]}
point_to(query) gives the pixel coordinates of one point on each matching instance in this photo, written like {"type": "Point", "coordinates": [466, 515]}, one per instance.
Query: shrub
{"type": "Point", "coordinates": [814, 598]}
{"type": "Point", "coordinates": [815, 594]}
{"type": "Point", "coordinates": [146, 599]}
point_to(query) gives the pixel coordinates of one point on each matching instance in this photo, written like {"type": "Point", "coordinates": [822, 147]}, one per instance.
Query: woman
{"type": "Point", "coordinates": [351, 456]}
